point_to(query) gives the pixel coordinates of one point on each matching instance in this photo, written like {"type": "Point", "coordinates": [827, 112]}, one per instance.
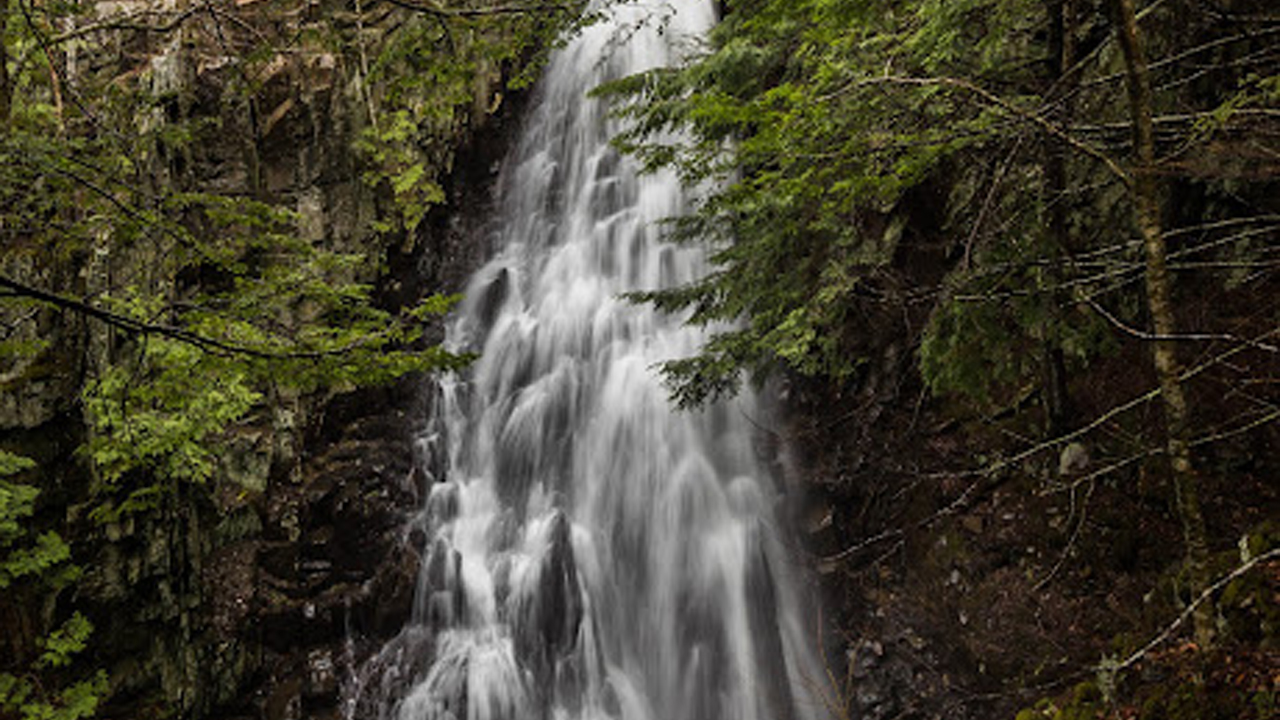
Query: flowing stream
{"type": "Point", "coordinates": [591, 552]}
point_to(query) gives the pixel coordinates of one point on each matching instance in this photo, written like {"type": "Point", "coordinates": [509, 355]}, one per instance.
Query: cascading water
{"type": "Point", "coordinates": [591, 552]}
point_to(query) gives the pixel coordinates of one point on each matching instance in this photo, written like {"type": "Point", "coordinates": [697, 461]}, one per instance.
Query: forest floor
{"type": "Point", "coordinates": [969, 569]}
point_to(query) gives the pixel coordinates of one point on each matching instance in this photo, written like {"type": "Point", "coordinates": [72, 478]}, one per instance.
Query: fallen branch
{"type": "Point", "coordinates": [1187, 612]}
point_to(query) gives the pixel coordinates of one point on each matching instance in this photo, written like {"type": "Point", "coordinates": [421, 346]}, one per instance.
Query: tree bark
{"type": "Point", "coordinates": [1160, 302]}
{"type": "Point", "coordinates": [1057, 398]}
{"type": "Point", "coordinates": [6, 86]}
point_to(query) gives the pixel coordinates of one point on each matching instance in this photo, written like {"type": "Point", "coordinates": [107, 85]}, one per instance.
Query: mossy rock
{"type": "Point", "coordinates": [1246, 603]}
{"type": "Point", "coordinates": [1086, 703]}
{"type": "Point", "coordinates": [1182, 702]}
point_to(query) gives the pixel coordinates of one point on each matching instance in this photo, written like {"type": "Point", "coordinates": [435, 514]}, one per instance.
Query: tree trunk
{"type": "Point", "coordinates": [1057, 399]}
{"type": "Point", "coordinates": [1159, 299]}
{"type": "Point", "coordinates": [6, 87]}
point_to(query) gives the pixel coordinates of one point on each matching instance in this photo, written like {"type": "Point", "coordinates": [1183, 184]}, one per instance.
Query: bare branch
{"type": "Point", "coordinates": [132, 21]}
{"type": "Point", "coordinates": [219, 347]}
{"type": "Point", "coordinates": [1190, 609]}
{"type": "Point", "coordinates": [1179, 119]}
{"type": "Point", "coordinates": [986, 473]}
{"type": "Point", "coordinates": [1075, 535]}
{"type": "Point", "coordinates": [1143, 335]}
{"type": "Point", "coordinates": [441, 12]}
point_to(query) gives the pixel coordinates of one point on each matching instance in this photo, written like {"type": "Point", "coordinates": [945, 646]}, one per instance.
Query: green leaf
{"type": "Point", "coordinates": [64, 643]}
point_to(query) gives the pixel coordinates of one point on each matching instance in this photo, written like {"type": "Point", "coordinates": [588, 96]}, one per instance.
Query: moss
{"type": "Point", "coordinates": [1085, 703]}
{"type": "Point", "coordinates": [1086, 692]}
{"type": "Point", "coordinates": [1184, 702]}
{"type": "Point", "coordinates": [1245, 605]}
{"type": "Point", "coordinates": [237, 525]}
{"type": "Point", "coordinates": [1265, 703]}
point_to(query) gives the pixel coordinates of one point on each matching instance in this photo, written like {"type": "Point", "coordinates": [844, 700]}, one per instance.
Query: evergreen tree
{"type": "Point", "coordinates": [835, 141]}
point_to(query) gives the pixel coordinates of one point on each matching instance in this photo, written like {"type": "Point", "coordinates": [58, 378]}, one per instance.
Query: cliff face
{"type": "Point", "coordinates": [255, 593]}
{"type": "Point", "coordinates": [955, 592]}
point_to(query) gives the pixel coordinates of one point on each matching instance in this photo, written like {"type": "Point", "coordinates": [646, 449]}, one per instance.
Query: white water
{"type": "Point", "coordinates": [592, 553]}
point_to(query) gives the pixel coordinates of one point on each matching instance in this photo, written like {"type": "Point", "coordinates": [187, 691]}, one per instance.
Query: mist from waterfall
{"type": "Point", "coordinates": [591, 552]}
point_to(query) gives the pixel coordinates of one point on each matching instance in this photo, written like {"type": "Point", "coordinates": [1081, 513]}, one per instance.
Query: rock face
{"type": "Point", "coordinates": [253, 597]}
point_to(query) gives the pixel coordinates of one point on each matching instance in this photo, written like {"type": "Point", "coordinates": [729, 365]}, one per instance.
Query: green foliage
{"type": "Point", "coordinates": [797, 120]}
{"type": "Point", "coordinates": [194, 310]}
{"type": "Point", "coordinates": [40, 566]}
{"type": "Point", "coordinates": [20, 560]}
{"type": "Point", "coordinates": [395, 159]}
{"type": "Point", "coordinates": [430, 79]}
{"type": "Point", "coordinates": [985, 338]}
{"type": "Point", "coordinates": [48, 551]}
{"type": "Point", "coordinates": [16, 501]}
{"type": "Point", "coordinates": [62, 644]}
{"type": "Point", "coordinates": [968, 350]}
{"type": "Point", "coordinates": [216, 301]}
{"type": "Point", "coordinates": [832, 139]}
{"type": "Point", "coordinates": [77, 700]}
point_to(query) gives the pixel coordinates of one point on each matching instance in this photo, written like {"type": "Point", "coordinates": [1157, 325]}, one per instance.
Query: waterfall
{"type": "Point", "coordinates": [591, 552]}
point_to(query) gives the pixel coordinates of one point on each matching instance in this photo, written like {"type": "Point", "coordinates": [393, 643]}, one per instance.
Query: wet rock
{"type": "Point", "coordinates": [549, 611]}
{"type": "Point", "coordinates": [417, 539]}
{"type": "Point", "coordinates": [495, 295]}
{"type": "Point", "coordinates": [767, 640]}
{"type": "Point", "coordinates": [322, 675]}
{"type": "Point", "coordinates": [392, 592]}
{"type": "Point", "coordinates": [442, 503]}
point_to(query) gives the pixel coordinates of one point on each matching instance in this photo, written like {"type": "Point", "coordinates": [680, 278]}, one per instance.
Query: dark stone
{"type": "Point", "coordinates": [766, 637]}
{"type": "Point", "coordinates": [322, 676]}
{"type": "Point", "coordinates": [495, 294]}
{"type": "Point", "coordinates": [547, 619]}
{"type": "Point", "coordinates": [442, 504]}
{"type": "Point", "coordinates": [279, 559]}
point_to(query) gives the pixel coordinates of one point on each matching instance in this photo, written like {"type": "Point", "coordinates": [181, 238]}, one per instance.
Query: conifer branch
{"type": "Point", "coordinates": [1026, 115]}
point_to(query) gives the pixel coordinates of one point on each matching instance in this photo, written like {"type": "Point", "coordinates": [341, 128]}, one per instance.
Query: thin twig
{"type": "Point", "coordinates": [1027, 115]}
{"type": "Point", "coordinates": [986, 203]}
{"type": "Point", "coordinates": [1189, 609]}
{"type": "Point", "coordinates": [438, 11]}
{"type": "Point", "coordinates": [1075, 535]}
{"type": "Point", "coordinates": [985, 473]}
{"type": "Point", "coordinates": [131, 21]}
{"type": "Point", "coordinates": [1143, 335]}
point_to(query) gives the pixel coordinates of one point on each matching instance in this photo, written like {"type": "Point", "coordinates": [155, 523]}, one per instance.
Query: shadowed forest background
{"type": "Point", "coordinates": [1008, 269]}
